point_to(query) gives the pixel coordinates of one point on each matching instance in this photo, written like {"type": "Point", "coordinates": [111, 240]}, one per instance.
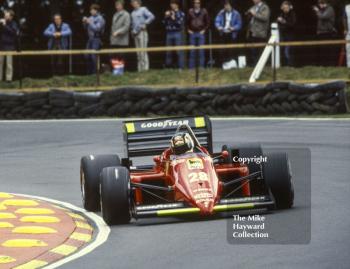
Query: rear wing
{"type": "Point", "coordinates": [144, 138]}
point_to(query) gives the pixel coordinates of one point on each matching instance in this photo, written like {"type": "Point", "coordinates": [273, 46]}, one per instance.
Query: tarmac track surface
{"type": "Point", "coordinates": [42, 158]}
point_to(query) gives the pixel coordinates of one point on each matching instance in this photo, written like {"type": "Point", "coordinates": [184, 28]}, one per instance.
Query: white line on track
{"type": "Point", "coordinates": [212, 118]}
{"type": "Point", "coordinates": [102, 231]}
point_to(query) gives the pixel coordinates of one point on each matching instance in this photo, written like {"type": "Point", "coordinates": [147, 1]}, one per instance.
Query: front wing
{"type": "Point", "coordinates": [225, 205]}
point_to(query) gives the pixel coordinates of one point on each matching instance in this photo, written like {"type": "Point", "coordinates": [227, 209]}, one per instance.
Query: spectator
{"type": "Point", "coordinates": [198, 23]}
{"type": "Point", "coordinates": [228, 22]}
{"type": "Point", "coordinates": [347, 31]}
{"type": "Point", "coordinates": [287, 21]}
{"type": "Point", "coordinates": [8, 42]}
{"type": "Point", "coordinates": [325, 31]}
{"type": "Point", "coordinates": [259, 26]}
{"type": "Point", "coordinates": [141, 18]}
{"type": "Point", "coordinates": [174, 25]}
{"type": "Point", "coordinates": [59, 34]}
{"type": "Point", "coordinates": [120, 28]}
{"type": "Point", "coordinates": [95, 26]}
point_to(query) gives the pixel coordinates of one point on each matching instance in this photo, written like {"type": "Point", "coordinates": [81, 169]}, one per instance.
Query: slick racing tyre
{"type": "Point", "coordinates": [278, 177]}
{"type": "Point", "coordinates": [115, 195]}
{"type": "Point", "coordinates": [244, 151]}
{"type": "Point", "coordinates": [90, 170]}
{"type": "Point", "coordinates": [249, 150]}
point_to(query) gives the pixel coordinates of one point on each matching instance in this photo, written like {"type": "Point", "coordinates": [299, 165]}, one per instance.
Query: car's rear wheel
{"type": "Point", "coordinates": [278, 177]}
{"type": "Point", "coordinates": [115, 195]}
{"type": "Point", "coordinates": [90, 170]}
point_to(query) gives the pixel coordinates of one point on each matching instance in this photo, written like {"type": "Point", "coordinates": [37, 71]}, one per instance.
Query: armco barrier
{"type": "Point", "coordinates": [279, 98]}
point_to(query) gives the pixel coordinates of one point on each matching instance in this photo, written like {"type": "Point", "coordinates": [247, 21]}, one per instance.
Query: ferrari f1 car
{"type": "Point", "coordinates": [186, 176]}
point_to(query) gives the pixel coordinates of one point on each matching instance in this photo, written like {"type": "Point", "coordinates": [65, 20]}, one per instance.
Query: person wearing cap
{"type": "Point", "coordinates": [120, 28]}
{"type": "Point", "coordinates": [174, 25]}
{"type": "Point", "coordinates": [198, 23]}
{"type": "Point", "coordinates": [228, 23]}
{"type": "Point", "coordinates": [95, 26]}
{"type": "Point", "coordinates": [141, 19]}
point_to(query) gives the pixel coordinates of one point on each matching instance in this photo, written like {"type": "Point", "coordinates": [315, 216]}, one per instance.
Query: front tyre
{"type": "Point", "coordinates": [115, 195]}
{"type": "Point", "coordinates": [249, 150]}
{"type": "Point", "coordinates": [278, 177]}
{"type": "Point", "coordinates": [90, 170]}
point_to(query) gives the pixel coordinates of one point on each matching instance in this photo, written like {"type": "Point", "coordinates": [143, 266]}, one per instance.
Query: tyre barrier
{"type": "Point", "coordinates": [280, 98]}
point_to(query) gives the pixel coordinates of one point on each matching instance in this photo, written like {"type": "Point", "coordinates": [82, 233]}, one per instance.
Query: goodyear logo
{"type": "Point", "coordinates": [195, 163]}
{"type": "Point", "coordinates": [163, 124]}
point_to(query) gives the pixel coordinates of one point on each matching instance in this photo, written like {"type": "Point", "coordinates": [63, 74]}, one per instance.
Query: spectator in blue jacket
{"type": "Point", "coordinates": [141, 19]}
{"type": "Point", "coordinates": [229, 23]}
{"type": "Point", "coordinates": [8, 42]}
{"type": "Point", "coordinates": [59, 34]}
{"type": "Point", "coordinates": [174, 24]}
{"type": "Point", "coordinates": [95, 27]}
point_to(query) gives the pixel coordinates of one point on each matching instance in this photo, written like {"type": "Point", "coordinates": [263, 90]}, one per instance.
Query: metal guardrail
{"type": "Point", "coordinates": [177, 48]}
{"type": "Point", "coordinates": [99, 53]}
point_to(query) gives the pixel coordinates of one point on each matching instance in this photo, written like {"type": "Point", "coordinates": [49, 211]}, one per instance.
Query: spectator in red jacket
{"type": "Point", "coordinates": [198, 23]}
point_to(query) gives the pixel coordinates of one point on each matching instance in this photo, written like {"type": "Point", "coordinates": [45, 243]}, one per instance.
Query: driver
{"type": "Point", "coordinates": [182, 143]}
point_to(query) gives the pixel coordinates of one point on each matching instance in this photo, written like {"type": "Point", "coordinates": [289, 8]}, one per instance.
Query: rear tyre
{"type": "Point", "coordinates": [278, 178]}
{"type": "Point", "coordinates": [90, 170]}
{"type": "Point", "coordinates": [115, 195]}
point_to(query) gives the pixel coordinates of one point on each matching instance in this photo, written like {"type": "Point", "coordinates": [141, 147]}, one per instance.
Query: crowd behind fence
{"type": "Point", "coordinates": [185, 32]}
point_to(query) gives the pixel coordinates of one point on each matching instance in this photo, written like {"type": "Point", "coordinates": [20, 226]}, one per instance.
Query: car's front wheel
{"type": "Point", "coordinates": [115, 195]}
{"type": "Point", "coordinates": [278, 177]}
{"type": "Point", "coordinates": [247, 151]}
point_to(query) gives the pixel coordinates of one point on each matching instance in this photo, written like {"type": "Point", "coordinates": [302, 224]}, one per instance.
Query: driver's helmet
{"type": "Point", "coordinates": [182, 143]}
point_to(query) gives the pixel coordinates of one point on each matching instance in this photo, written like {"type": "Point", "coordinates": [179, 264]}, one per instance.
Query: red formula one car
{"type": "Point", "coordinates": [186, 176]}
